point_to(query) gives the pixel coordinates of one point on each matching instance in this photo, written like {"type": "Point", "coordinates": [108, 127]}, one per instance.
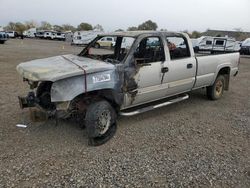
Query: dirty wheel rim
{"type": "Point", "coordinates": [218, 88]}
{"type": "Point", "coordinates": [104, 122]}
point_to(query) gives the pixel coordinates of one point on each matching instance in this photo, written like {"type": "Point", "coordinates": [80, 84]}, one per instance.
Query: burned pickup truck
{"type": "Point", "coordinates": [141, 72]}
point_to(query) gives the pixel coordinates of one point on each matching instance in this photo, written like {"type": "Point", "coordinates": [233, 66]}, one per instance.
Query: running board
{"type": "Point", "coordinates": [148, 108]}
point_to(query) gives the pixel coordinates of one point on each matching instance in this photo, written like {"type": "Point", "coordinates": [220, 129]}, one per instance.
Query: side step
{"type": "Point", "coordinates": [152, 107]}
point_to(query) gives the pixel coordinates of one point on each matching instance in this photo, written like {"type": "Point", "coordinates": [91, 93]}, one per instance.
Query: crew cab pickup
{"type": "Point", "coordinates": [155, 69]}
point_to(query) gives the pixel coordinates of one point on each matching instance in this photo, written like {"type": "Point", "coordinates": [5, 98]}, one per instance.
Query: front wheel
{"type": "Point", "coordinates": [100, 122]}
{"type": "Point", "coordinates": [215, 91]}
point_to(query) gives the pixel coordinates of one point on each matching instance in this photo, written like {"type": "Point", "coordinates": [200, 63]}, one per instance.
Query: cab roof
{"type": "Point", "coordinates": [137, 33]}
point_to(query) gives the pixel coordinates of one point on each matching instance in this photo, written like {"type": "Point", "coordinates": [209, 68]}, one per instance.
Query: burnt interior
{"type": "Point", "coordinates": [115, 53]}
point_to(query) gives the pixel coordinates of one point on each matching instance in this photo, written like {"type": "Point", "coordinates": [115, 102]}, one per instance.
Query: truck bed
{"type": "Point", "coordinates": [209, 65]}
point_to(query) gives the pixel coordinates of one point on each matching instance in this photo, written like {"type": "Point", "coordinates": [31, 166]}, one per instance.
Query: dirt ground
{"type": "Point", "coordinates": [195, 143]}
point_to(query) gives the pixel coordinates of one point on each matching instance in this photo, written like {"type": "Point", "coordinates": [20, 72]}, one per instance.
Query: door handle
{"type": "Point", "coordinates": [189, 66]}
{"type": "Point", "coordinates": [164, 69]}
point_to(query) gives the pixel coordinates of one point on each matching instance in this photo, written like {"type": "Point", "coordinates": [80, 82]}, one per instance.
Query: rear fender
{"type": "Point", "coordinates": [223, 69]}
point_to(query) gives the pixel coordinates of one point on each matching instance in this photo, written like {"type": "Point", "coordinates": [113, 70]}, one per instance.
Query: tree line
{"type": "Point", "coordinates": [44, 25]}
{"type": "Point", "coordinates": [84, 26]}
{"type": "Point", "coordinates": [150, 25]}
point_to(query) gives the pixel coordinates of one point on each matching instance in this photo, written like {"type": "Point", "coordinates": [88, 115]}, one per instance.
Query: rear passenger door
{"type": "Point", "coordinates": [181, 66]}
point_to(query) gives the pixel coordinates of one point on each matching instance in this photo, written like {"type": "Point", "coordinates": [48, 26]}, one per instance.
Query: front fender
{"type": "Point", "coordinates": [67, 89]}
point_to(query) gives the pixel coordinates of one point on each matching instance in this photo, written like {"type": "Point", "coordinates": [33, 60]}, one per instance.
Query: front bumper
{"type": "Point", "coordinates": [31, 102]}
{"type": "Point", "coordinates": [38, 113]}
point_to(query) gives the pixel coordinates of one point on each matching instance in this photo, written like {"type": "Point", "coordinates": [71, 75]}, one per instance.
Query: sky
{"type": "Point", "coordinates": [173, 15]}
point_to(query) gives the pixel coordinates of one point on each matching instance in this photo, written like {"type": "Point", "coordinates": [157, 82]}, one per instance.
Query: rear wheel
{"type": "Point", "coordinates": [100, 122]}
{"type": "Point", "coordinates": [215, 91]}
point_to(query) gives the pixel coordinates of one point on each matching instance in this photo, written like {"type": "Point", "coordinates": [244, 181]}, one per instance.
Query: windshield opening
{"type": "Point", "coordinates": [112, 49]}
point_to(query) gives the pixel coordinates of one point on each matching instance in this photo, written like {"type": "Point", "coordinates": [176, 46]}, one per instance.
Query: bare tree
{"type": "Point", "coordinates": [45, 25]}
{"type": "Point", "coordinates": [10, 27]}
{"type": "Point", "coordinates": [57, 28]}
{"type": "Point", "coordinates": [18, 27]}
{"type": "Point", "coordinates": [31, 24]}
{"type": "Point", "coordinates": [98, 27]}
{"type": "Point", "coordinates": [68, 27]}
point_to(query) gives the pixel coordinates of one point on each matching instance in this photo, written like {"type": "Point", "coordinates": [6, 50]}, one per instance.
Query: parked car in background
{"type": "Point", "coordinates": [60, 36]}
{"type": "Point", "coordinates": [108, 42]}
{"type": "Point", "coordinates": [245, 47]}
{"type": "Point", "coordinates": [3, 37]}
{"type": "Point", "coordinates": [49, 35]}
{"type": "Point", "coordinates": [12, 34]}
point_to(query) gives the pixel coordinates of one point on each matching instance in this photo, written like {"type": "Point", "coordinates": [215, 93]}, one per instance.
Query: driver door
{"type": "Point", "coordinates": [148, 60]}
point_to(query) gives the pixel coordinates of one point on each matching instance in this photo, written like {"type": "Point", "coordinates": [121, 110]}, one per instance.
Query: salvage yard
{"type": "Point", "coordinates": [193, 143]}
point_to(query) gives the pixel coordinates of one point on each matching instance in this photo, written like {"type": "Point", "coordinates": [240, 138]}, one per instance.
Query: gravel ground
{"type": "Point", "coordinates": [195, 143]}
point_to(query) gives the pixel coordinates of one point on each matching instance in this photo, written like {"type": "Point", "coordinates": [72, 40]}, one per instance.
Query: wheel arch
{"type": "Point", "coordinates": [225, 71]}
{"type": "Point", "coordinates": [112, 96]}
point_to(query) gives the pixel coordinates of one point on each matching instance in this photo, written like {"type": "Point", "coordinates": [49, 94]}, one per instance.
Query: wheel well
{"type": "Point", "coordinates": [225, 71]}
{"type": "Point", "coordinates": [112, 96]}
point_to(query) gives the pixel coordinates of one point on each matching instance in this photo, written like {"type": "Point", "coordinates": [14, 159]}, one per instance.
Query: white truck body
{"type": "Point", "coordinates": [126, 81]}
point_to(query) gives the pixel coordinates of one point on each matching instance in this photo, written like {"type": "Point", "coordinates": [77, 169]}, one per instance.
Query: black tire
{"type": "Point", "coordinates": [100, 122]}
{"type": "Point", "coordinates": [97, 45]}
{"type": "Point", "coordinates": [215, 91]}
